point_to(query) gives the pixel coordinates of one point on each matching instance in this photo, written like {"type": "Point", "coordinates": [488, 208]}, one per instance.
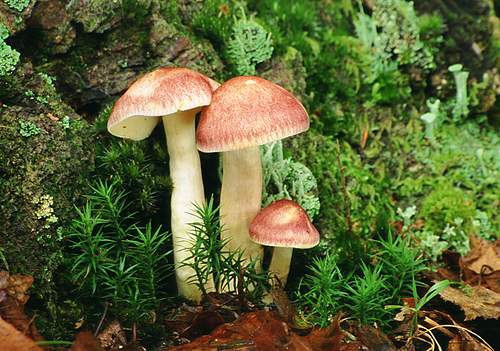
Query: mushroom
{"type": "Point", "coordinates": [174, 95]}
{"type": "Point", "coordinates": [246, 112]}
{"type": "Point", "coordinates": [284, 225]}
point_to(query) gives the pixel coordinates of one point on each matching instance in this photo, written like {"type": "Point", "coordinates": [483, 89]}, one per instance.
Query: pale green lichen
{"type": "Point", "coordinates": [28, 129]}
{"type": "Point", "coordinates": [285, 178]}
{"type": "Point", "coordinates": [8, 56]}
{"type": "Point", "coordinates": [18, 5]}
{"type": "Point", "coordinates": [249, 45]}
{"type": "Point", "coordinates": [44, 210]}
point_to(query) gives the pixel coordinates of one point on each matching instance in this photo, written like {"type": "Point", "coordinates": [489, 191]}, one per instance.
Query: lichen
{"type": "Point", "coordinates": [18, 5]}
{"type": "Point", "coordinates": [9, 57]}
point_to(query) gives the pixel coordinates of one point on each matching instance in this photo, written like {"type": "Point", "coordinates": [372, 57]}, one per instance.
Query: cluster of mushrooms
{"type": "Point", "coordinates": [236, 117]}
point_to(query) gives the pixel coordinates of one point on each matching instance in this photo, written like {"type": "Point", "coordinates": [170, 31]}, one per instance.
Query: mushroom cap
{"type": "Point", "coordinates": [159, 93]}
{"type": "Point", "coordinates": [285, 224]}
{"type": "Point", "coordinates": [249, 111]}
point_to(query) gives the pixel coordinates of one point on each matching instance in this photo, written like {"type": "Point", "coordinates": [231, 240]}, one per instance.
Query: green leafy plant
{"type": "Point", "coordinates": [420, 302]}
{"type": "Point", "coordinates": [320, 292]}
{"type": "Point", "coordinates": [401, 261]}
{"type": "Point", "coordinates": [115, 259]}
{"type": "Point", "coordinates": [368, 294]}
{"type": "Point", "coordinates": [210, 258]}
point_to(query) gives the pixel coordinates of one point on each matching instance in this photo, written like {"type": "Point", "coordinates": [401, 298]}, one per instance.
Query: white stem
{"type": "Point", "coordinates": [187, 184]}
{"type": "Point", "coordinates": [240, 202]}
{"type": "Point", "coordinates": [280, 263]}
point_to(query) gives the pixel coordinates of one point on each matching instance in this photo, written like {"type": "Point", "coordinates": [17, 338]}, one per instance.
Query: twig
{"type": "Point", "coordinates": [439, 327]}
{"type": "Point", "coordinates": [102, 319]}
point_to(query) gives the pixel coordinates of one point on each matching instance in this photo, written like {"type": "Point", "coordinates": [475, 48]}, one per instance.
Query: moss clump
{"type": "Point", "coordinates": [42, 175]}
{"type": "Point", "coordinates": [444, 205]}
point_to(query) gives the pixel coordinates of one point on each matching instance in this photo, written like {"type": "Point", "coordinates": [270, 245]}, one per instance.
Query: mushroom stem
{"type": "Point", "coordinates": [280, 263]}
{"type": "Point", "coordinates": [241, 196]}
{"type": "Point", "coordinates": [187, 190]}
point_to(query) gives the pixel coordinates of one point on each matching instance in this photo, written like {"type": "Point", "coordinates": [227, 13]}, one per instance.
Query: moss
{"type": "Point", "coordinates": [444, 205]}
{"type": "Point", "coordinates": [343, 221]}
{"type": "Point", "coordinates": [42, 176]}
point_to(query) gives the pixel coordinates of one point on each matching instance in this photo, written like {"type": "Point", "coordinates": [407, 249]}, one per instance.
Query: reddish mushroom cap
{"type": "Point", "coordinates": [285, 224]}
{"type": "Point", "coordinates": [249, 111]}
{"type": "Point", "coordinates": [156, 94]}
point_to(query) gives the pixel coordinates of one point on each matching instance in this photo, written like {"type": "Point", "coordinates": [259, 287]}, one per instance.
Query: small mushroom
{"type": "Point", "coordinates": [173, 95]}
{"type": "Point", "coordinates": [246, 112]}
{"type": "Point", "coordinates": [284, 225]}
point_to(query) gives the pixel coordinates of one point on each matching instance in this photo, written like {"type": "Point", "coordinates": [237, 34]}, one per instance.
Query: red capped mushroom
{"type": "Point", "coordinates": [284, 225]}
{"type": "Point", "coordinates": [246, 112]}
{"type": "Point", "coordinates": [173, 95]}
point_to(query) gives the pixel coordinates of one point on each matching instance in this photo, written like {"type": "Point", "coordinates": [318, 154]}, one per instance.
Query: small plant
{"type": "Point", "coordinates": [420, 302]}
{"type": "Point", "coordinates": [115, 259]}
{"type": "Point", "coordinates": [368, 294]}
{"type": "Point", "coordinates": [401, 263]}
{"type": "Point", "coordinates": [321, 292]}
{"type": "Point", "coordinates": [211, 259]}
{"type": "Point", "coordinates": [28, 129]}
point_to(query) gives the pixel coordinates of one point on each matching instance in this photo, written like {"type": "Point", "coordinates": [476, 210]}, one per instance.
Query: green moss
{"type": "Point", "coordinates": [444, 205]}
{"type": "Point", "coordinates": [38, 189]}
{"type": "Point", "coordinates": [351, 212]}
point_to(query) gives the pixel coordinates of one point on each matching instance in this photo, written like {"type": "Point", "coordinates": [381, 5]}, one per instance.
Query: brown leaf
{"type": "Point", "coordinates": [465, 342]}
{"type": "Point", "coordinates": [480, 302]}
{"type": "Point", "coordinates": [328, 338]}
{"type": "Point", "coordinates": [16, 285]}
{"type": "Point", "coordinates": [482, 253]}
{"type": "Point", "coordinates": [12, 339]}
{"type": "Point", "coordinates": [482, 265]}
{"type": "Point", "coordinates": [113, 337]}
{"type": "Point", "coordinates": [13, 312]}
{"type": "Point", "coordinates": [374, 339]}
{"type": "Point", "coordinates": [263, 330]}
{"type": "Point", "coordinates": [85, 341]}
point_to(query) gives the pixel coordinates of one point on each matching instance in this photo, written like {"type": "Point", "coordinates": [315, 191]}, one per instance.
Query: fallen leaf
{"type": "Point", "coordinates": [12, 339]}
{"type": "Point", "coordinates": [482, 265]}
{"type": "Point", "coordinates": [477, 302]}
{"type": "Point", "coordinates": [16, 285]}
{"type": "Point", "coordinates": [465, 342]}
{"type": "Point", "coordinates": [264, 330]}
{"type": "Point", "coordinates": [86, 341]}
{"type": "Point", "coordinates": [113, 337]}
{"type": "Point", "coordinates": [374, 339]}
